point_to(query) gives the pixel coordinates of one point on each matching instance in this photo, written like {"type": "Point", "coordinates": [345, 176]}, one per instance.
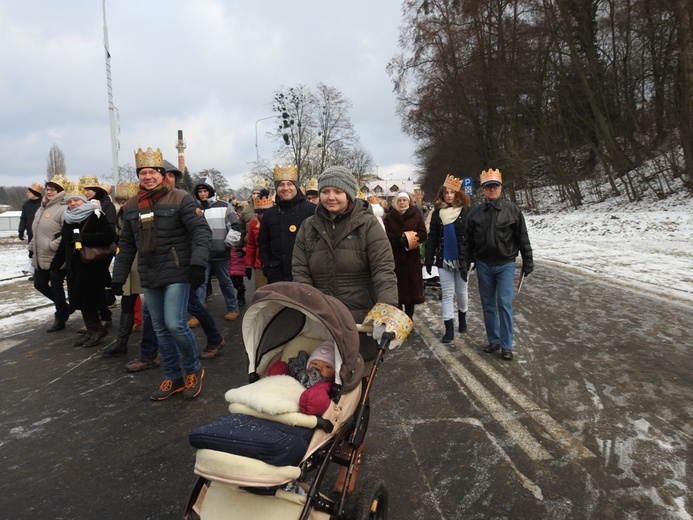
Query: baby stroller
{"type": "Point", "coordinates": [280, 483]}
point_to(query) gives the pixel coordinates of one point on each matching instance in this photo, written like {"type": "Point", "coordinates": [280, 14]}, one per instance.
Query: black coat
{"type": "Point", "coordinates": [85, 282]}
{"type": "Point", "coordinates": [277, 236]}
{"type": "Point", "coordinates": [26, 219]}
{"type": "Point", "coordinates": [435, 243]}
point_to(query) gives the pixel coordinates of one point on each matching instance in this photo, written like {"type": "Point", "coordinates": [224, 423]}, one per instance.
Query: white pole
{"type": "Point", "coordinates": [111, 107]}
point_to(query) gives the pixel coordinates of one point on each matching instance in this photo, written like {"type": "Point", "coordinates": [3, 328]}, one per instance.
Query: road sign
{"type": "Point", "coordinates": [467, 183]}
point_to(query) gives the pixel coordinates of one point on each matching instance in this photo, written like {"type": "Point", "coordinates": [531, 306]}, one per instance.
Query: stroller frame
{"type": "Point", "coordinates": [300, 491]}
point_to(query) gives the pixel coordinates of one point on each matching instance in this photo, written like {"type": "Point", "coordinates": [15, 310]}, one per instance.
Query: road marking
{"type": "Point", "coordinates": [519, 433]}
{"type": "Point", "coordinates": [555, 430]}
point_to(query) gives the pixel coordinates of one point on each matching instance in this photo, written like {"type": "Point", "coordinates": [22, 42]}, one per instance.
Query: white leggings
{"type": "Point", "coordinates": [451, 283]}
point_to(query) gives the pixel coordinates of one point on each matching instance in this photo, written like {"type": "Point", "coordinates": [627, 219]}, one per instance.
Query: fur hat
{"type": "Point", "coordinates": [338, 177]}
{"type": "Point", "coordinates": [323, 352]}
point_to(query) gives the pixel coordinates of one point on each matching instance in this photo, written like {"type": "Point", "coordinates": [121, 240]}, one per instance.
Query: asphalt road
{"type": "Point", "coordinates": [593, 419]}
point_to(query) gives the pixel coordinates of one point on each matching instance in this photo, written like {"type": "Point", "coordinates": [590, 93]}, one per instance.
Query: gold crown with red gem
{"type": "Point", "coordinates": [283, 172]}
{"type": "Point", "coordinates": [149, 159]}
{"type": "Point", "coordinates": [453, 183]}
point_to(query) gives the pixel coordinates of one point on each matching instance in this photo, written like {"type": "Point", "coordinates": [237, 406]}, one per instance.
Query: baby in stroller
{"type": "Point", "coordinates": [315, 372]}
{"type": "Point", "coordinates": [282, 475]}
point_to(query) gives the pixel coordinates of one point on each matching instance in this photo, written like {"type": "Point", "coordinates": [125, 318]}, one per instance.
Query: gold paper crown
{"type": "Point", "coordinates": [106, 187]}
{"type": "Point", "coordinates": [89, 181]}
{"type": "Point", "coordinates": [126, 190]}
{"type": "Point", "coordinates": [412, 240]}
{"type": "Point", "coordinates": [453, 183]}
{"type": "Point", "coordinates": [60, 180]}
{"type": "Point", "coordinates": [285, 173]}
{"type": "Point", "coordinates": [491, 176]}
{"type": "Point", "coordinates": [312, 184]}
{"type": "Point", "coordinates": [263, 202]}
{"type": "Point", "coordinates": [149, 159]}
{"type": "Point", "coordinates": [35, 186]}
{"type": "Point", "coordinates": [72, 189]}
{"type": "Point", "coordinates": [263, 183]}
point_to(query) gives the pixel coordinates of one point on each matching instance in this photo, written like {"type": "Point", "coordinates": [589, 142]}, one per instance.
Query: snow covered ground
{"type": "Point", "coordinates": [647, 246]}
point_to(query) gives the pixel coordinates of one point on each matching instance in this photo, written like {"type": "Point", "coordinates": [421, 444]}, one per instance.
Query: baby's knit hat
{"type": "Point", "coordinates": [338, 177]}
{"type": "Point", "coordinates": [323, 352]}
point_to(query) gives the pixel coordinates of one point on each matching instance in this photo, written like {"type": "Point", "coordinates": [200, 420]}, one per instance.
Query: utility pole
{"type": "Point", "coordinates": [111, 107]}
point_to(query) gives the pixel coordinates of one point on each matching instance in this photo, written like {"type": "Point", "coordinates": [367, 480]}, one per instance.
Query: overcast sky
{"type": "Point", "coordinates": [208, 67]}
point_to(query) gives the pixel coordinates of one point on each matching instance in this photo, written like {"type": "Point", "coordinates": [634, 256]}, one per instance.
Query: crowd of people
{"type": "Point", "coordinates": [159, 248]}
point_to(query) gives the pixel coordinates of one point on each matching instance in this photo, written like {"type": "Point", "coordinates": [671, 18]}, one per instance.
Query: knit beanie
{"type": "Point", "coordinates": [323, 352]}
{"type": "Point", "coordinates": [338, 177]}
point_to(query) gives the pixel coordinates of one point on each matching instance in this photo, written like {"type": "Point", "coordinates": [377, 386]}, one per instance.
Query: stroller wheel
{"type": "Point", "coordinates": [371, 501]}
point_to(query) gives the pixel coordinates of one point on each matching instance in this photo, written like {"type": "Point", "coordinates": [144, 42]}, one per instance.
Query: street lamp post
{"type": "Point", "coordinates": [257, 152]}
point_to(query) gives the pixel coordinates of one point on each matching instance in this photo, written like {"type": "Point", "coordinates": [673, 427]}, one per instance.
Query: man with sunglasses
{"type": "Point", "coordinates": [496, 233]}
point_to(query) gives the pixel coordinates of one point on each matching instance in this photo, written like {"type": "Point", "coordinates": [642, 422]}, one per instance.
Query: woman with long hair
{"type": "Point", "coordinates": [446, 249]}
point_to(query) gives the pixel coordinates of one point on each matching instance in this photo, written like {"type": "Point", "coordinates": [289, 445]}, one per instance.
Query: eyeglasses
{"type": "Point", "coordinates": [50, 188]}
{"type": "Point", "coordinates": [492, 187]}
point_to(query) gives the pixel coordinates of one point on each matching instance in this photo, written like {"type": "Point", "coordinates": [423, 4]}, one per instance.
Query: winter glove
{"type": "Point", "coordinates": [117, 289]}
{"type": "Point", "coordinates": [316, 399]}
{"type": "Point", "coordinates": [526, 269]}
{"type": "Point", "coordinates": [240, 252]}
{"type": "Point", "coordinates": [428, 269]}
{"type": "Point", "coordinates": [248, 272]}
{"type": "Point", "coordinates": [21, 236]}
{"type": "Point", "coordinates": [196, 276]}
{"type": "Point", "coordinates": [402, 241]}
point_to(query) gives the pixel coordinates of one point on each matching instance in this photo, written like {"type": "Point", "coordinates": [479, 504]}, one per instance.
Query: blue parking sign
{"type": "Point", "coordinates": [467, 183]}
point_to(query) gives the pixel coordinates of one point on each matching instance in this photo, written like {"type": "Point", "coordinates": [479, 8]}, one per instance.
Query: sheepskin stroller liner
{"type": "Point", "coordinates": [284, 318]}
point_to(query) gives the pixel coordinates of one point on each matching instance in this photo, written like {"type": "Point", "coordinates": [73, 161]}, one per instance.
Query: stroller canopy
{"type": "Point", "coordinates": [283, 310]}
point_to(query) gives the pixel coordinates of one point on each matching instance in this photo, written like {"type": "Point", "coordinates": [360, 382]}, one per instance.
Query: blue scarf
{"type": "Point", "coordinates": [451, 259]}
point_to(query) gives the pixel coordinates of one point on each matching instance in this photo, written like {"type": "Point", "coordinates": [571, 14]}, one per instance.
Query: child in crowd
{"type": "Point", "coordinates": [316, 372]}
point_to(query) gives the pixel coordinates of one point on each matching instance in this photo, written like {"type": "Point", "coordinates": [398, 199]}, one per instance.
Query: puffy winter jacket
{"type": "Point", "coordinates": [47, 226]}
{"type": "Point", "coordinates": [349, 258]}
{"type": "Point", "coordinates": [221, 218]}
{"type": "Point", "coordinates": [434, 245]}
{"type": "Point", "coordinates": [183, 238]}
{"type": "Point", "coordinates": [280, 224]}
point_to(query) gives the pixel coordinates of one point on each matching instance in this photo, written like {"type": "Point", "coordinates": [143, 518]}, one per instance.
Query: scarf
{"type": "Point", "coordinates": [80, 213]}
{"type": "Point", "coordinates": [451, 256]}
{"type": "Point", "coordinates": [145, 202]}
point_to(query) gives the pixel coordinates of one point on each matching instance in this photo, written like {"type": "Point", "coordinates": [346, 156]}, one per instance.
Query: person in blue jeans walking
{"type": "Point", "coordinates": [162, 225]}
{"type": "Point", "coordinates": [496, 233]}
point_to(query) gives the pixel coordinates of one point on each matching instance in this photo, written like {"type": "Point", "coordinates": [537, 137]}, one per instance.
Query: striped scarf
{"type": "Point", "coordinates": [145, 202]}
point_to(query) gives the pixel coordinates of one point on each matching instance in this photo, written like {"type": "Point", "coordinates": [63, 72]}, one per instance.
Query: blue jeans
{"type": "Point", "coordinates": [497, 291]}
{"type": "Point", "coordinates": [196, 307]}
{"type": "Point", "coordinates": [220, 269]}
{"type": "Point", "coordinates": [168, 307]}
{"type": "Point", "coordinates": [149, 347]}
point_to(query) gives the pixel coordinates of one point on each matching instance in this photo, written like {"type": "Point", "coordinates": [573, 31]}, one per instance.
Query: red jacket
{"type": "Point", "coordinates": [252, 256]}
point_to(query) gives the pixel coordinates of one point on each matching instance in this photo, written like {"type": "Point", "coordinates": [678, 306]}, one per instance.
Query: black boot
{"type": "Point", "coordinates": [58, 324]}
{"type": "Point", "coordinates": [81, 341]}
{"type": "Point", "coordinates": [120, 347]}
{"type": "Point", "coordinates": [409, 310]}
{"type": "Point", "coordinates": [96, 333]}
{"type": "Point", "coordinates": [449, 331]}
{"type": "Point", "coordinates": [463, 321]}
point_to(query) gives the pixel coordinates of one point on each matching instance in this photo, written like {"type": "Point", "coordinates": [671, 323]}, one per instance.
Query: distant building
{"type": "Point", "coordinates": [388, 189]}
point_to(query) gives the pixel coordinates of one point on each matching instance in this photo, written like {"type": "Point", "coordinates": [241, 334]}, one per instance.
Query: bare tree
{"type": "Point", "coordinates": [221, 185]}
{"type": "Point", "coordinates": [56, 163]}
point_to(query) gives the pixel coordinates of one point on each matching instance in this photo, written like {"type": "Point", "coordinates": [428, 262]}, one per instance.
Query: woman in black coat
{"type": "Point", "coordinates": [84, 224]}
{"type": "Point", "coordinates": [401, 219]}
{"type": "Point", "coordinates": [446, 247]}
